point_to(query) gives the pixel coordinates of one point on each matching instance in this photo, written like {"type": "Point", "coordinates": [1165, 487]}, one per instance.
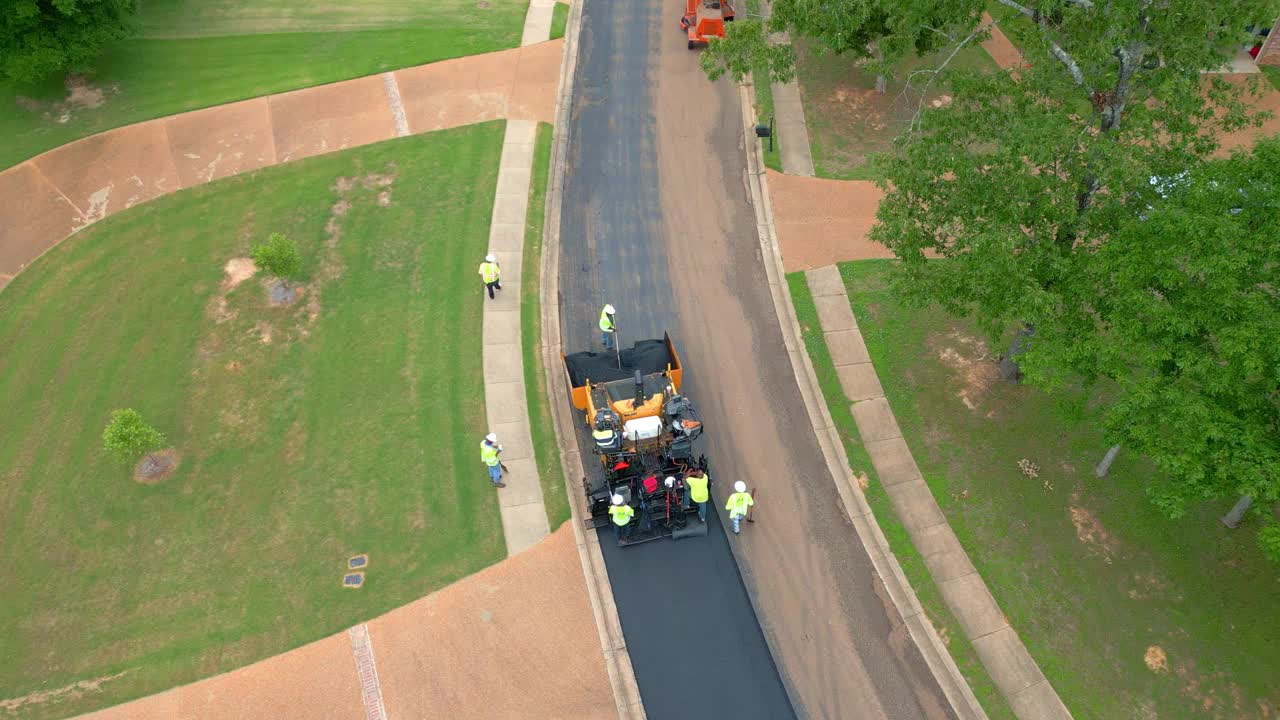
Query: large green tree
{"type": "Point", "coordinates": [39, 38]}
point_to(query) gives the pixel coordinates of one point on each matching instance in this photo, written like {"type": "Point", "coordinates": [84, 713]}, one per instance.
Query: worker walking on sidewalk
{"type": "Point", "coordinates": [621, 515]}
{"type": "Point", "coordinates": [491, 274]}
{"type": "Point", "coordinates": [489, 450]}
{"type": "Point", "coordinates": [696, 490]}
{"type": "Point", "coordinates": [739, 503]}
{"type": "Point", "coordinates": [607, 327]}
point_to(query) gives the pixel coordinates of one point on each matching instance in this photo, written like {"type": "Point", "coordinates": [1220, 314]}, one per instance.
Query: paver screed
{"type": "Point", "coordinates": [1011, 667]}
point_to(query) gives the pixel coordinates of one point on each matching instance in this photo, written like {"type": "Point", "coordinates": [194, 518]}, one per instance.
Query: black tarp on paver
{"type": "Point", "coordinates": [647, 356]}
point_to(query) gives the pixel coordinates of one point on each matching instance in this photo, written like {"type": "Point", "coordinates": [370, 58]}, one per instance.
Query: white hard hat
{"type": "Point", "coordinates": [740, 486]}
{"type": "Point", "coordinates": [491, 437]}
{"type": "Point", "coordinates": [670, 481]}
{"type": "Point", "coordinates": [609, 309]}
{"type": "Point", "coordinates": [490, 258]}
{"type": "Point", "coordinates": [617, 499]}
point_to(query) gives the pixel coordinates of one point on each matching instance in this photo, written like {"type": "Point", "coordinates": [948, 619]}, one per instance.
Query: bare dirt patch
{"type": "Point", "coordinates": [218, 310]}
{"type": "Point", "coordinates": [974, 366]}
{"type": "Point", "coordinates": [1156, 659]}
{"type": "Point", "coordinates": [384, 198]}
{"type": "Point", "coordinates": [81, 95]}
{"type": "Point", "coordinates": [237, 270]}
{"type": "Point", "coordinates": [1090, 530]}
{"type": "Point", "coordinates": [68, 692]}
{"type": "Point", "coordinates": [154, 468]}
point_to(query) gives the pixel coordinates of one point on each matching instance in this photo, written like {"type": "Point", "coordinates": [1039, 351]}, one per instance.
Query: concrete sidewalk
{"type": "Point", "coordinates": [788, 110]}
{"type": "Point", "coordinates": [1011, 667]}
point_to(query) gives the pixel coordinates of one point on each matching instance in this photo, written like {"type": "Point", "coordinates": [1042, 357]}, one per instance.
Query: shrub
{"type": "Point", "coordinates": [39, 39]}
{"type": "Point", "coordinates": [279, 256]}
{"type": "Point", "coordinates": [1269, 540]}
{"type": "Point", "coordinates": [128, 437]}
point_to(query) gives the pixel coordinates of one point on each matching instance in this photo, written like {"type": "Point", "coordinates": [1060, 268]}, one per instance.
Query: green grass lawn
{"type": "Point", "coordinates": [1272, 74]}
{"type": "Point", "coordinates": [545, 448]}
{"type": "Point", "coordinates": [345, 423]}
{"type": "Point", "coordinates": [899, 541]}
{"type": "Point", "coordinates": [764, 102]}
{"type": "Point", "coordinates": [1130, 615]}
{"type": "Point", "coordinates": [196, 53]}
{"type": "Point", "coordinates": [849, 122]}
{"type": "Point", "coordinates": [559, 18]}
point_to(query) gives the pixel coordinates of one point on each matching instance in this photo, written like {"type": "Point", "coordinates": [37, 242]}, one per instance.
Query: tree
{"type": "Point", "coordinates": [128, 437]}
{"type": "Point", "coordinates": [1195, 290]}
{"type": "Point", "coordinates": [279, 256]}
{"type": "Point", "coordinates": [39, 38]}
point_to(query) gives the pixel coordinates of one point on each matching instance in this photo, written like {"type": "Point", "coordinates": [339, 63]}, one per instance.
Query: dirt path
{"type": "Point", "coordinates": [516, 640]}
{"type": "Point", "coordinates": [820, 222]}
{"type": "Point", "coordinates": [49, 197]}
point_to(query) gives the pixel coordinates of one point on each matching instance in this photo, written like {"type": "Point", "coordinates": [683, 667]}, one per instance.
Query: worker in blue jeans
{"type": "Point", "coordinates": [607, 327]}
{"type": "Point", "coordinates": [621, 515]}
{"type": "Point", "coordinates": [489, 450]}
{"type": "Point", "coordinates": [696, 491]}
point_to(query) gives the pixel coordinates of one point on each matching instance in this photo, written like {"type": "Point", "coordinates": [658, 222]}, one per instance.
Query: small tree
{"type": "Point", "coordinates": [129, 437]}
{"type": "Point", "coordinates": [279, 256]}
{"type": "Point", "coordinates": [40, 38]}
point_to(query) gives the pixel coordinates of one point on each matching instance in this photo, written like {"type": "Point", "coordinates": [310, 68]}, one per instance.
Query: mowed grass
{"type": "Point", "coordinates": [559, 19]}
{"type": "Point", "coordinates": [849, 122]}
{"type": "Point", "coordinates": [1129, 614]}
{"type": "Point", "coordinates": [545, 447]}
{"type": "Point", "coordinates": [353, 430]}
{"type": "Point", "coordinates": [192, 54]}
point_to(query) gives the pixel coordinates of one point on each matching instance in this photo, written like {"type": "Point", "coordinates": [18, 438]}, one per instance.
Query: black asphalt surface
{"type": "Point", "coordinates": [696, 647]}
{"type": "Point", "coordinates": [657, 220]}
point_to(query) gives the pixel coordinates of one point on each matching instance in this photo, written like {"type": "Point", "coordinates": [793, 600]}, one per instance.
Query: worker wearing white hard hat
{"type": "Point", "coordinates": [491, 274]}
{"type": "Point", "coordinates": [607, 326]}
{"type": "Point", "coordinates": [489, 449]}
{"type": "Point", "coordinates": [739, 503]}
{"type": "Point", "coordinates": [621, 514]}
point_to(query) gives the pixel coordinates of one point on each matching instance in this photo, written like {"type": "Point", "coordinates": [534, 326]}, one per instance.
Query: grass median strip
{"type": "Point", "coordinates": [345, 422]}
{"type": "Point", "coordinates": [899, 541]}
{"type": "Point", "coordinates": [550, 474]}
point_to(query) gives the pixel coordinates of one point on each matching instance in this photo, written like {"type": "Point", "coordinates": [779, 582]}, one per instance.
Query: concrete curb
{"type": "Point", "coordinates": [923, 634]}
{"type": "Point", "coordinates": [626, 692]}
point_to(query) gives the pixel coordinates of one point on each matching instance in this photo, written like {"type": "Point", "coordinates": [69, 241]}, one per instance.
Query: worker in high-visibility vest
{"type": "Point", "coordinates": [607, 327]}
{"type": "Point", "coordinates": [621, 515]}
{"type": "Point", "coordinates": [696, 491]}
{"type": "Point", "coordinates": [489, 450]}
{"type": "Point", "coordinates": [491, 274]}
{"type": "Point", "coordinates": [606, 437]}
{"type": "Point", "coordinates": [739, 503]}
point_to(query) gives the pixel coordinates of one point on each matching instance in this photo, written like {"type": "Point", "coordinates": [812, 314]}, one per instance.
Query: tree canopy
{"type": "Point", "coordinates": [39, 38]}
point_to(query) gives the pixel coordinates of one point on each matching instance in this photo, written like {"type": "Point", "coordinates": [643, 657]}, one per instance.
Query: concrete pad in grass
{"type": "Point", "coordinates": [331, 117]}
{"type": "Point", "coordinates": [915, 504]}
{"type": "Point", "coordinates": [825, 282]}
{"type": "Point", "coordinates": [834, 313]}
{"type": "Point", "coordinates": [846, 347]}
{"type": "Point", "coordinates": [973, 606]}
{"type": "Point", "coordinates": [500, 366]}
{"type": "Point", "coordinates": [942, 552]}
{"type": "Point", "coordinates": [502, 328]}
{"type": "Point", "coordinates": [506, 401]}
{"type": "Point", "coordinates": [893, 461]}
{"type": "Point", "coordinates": [1007, 660]}
{"type": "Point", "coordinates": [515, 440]}
{"type": "Point", "coordinates": [859, 382]}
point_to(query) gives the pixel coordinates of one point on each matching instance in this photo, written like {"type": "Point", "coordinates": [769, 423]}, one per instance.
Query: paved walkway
{"type": "Point", "coordinates": [1011, 667]}
{"type": "Point", "coordinates": [793, 132]}
{"type": "Point", "coordinates": [52, 195]}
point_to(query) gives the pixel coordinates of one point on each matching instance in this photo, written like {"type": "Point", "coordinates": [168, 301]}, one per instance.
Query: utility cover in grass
{"type": "Point", "coordinates": [358, 561]}
{"type": "Point", "coordinates": [353, 580]}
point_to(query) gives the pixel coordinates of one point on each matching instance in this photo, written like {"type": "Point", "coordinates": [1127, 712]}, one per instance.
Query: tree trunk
{"type": "Point", "coordinates": [1104, 467]}
{"type": "Point", "coordinates": [1233, 518]}
{"type": "Point", "coordinates": [1009, 370]}
{"type": "Point", "coordinates": [882, 82]}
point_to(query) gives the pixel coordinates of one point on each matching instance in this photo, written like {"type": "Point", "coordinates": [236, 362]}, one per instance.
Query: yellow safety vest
{"type": "Point", "coordinates": [604, 437]}
{"type": "Point", "coordinates": [605, 323]}
{"type": "Point", "coordinates": [489, 454]}
{"type": "Point", "coordinates": [738, 503]}
{"type": "Point", "coordinates": [489, 271]}
{"type": "Point", "coordinates": [698, 488]}
{"type": "Point", "coordinates": [621, 514]}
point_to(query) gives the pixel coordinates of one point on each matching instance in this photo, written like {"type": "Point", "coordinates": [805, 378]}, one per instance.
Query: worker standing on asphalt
{"type": "Point", "coordinates": [621, 515]}
{"type": "Point", "coordinates": [696, 490]}
{"type": "Point", "coordinates": [739, 503]}
{"type": "Point", "coordinates": [491, 274]}
{"type": "Point", "coordinates": [489, 450]}
{"type": "Point", "coordinates": [607, 327]}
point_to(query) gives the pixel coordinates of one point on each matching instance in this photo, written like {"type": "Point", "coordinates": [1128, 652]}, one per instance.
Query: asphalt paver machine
{"type": "Point", "coordinates": [643, 433]}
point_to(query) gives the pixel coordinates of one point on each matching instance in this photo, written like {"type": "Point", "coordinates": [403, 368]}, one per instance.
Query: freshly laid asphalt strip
{"type": "Point", "coordinates": [696, 647]}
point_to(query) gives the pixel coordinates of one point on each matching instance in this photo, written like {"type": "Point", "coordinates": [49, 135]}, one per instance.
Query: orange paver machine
{"type": "Point", "coordinates": [705, 19]}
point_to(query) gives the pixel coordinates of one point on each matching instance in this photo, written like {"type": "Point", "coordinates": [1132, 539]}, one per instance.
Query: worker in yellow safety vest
{"type": "Point", "coordinates": [489, 450]}
{"type": "Point", "coordinates": [607, 327]}
{"type": "Point", "coordinates": [739, 503]}
{"type": "Point", "coordinates": [491, 274]}
{"type": "Point", "coordinates": [621, 515]}
{"type": "Point", "coordinates": [607, 439]}
{"type": "Point", "coordinates": [695, 484]}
